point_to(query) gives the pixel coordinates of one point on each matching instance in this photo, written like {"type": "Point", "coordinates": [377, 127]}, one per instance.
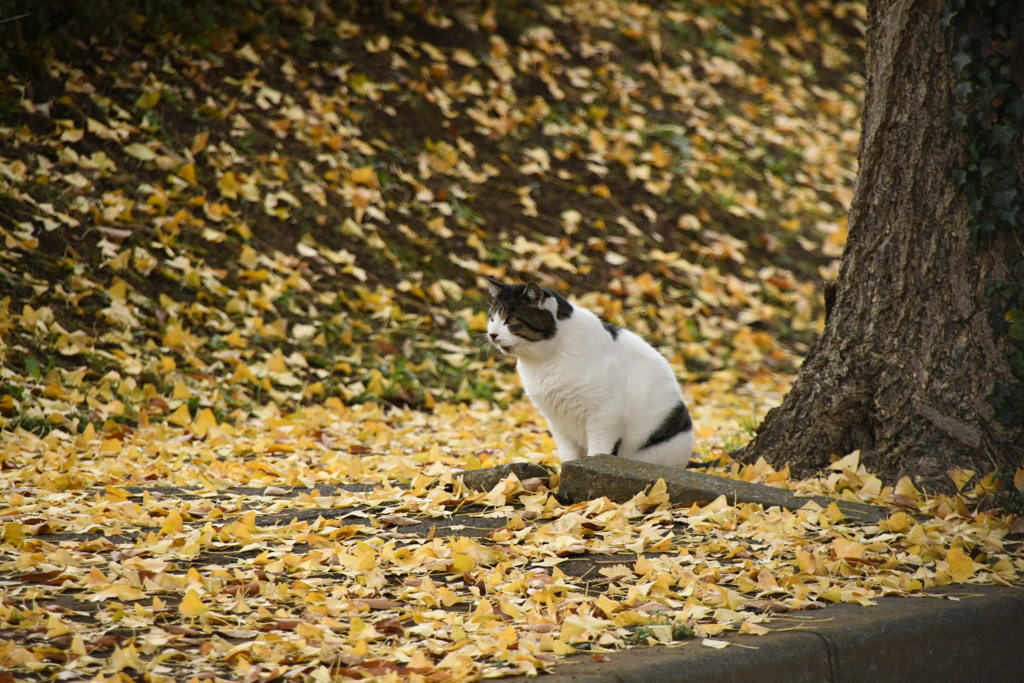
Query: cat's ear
{"type": "Point", "coordinates": [534, 294]}
{"type": "Point", "coordinates": [547, 300]}
{"type": "Point", "coordinates": [494, 287]}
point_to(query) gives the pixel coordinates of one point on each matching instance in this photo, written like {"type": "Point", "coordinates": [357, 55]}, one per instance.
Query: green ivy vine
{"type": "Point", "coordinates": [988, 63]}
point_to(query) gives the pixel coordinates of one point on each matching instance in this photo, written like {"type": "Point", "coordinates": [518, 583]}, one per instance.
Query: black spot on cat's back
{"type": "Point", "coordinates": [613, 330]}
{"type": "Point", "coordinates": [564, 309]}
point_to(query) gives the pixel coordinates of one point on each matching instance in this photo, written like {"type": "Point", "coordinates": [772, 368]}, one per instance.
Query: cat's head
{"type": "Point", "coordinates": [522, 316]}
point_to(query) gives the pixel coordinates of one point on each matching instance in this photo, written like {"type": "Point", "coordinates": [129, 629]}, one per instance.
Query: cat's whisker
{"type": "Point", "coordinates": [483, 341]}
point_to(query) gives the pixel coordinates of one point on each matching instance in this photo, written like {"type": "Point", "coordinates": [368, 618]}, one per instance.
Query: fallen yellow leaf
{"type": "Point", "coordinates": [172, 523]}
{"type": "Point", "coordinates": [961, 566]}
{"type": "Point", "coordinates": [192, 605]}
{"type": "Point", "coordinates": [463, 563]}
{"type": "Point", "coordinates": [204, 421]}
{"type": "Point", "coordinates": [187, 173]}
{"type": "Point", "coordinates": [364, 175]}
{"type": "Point", "coordinates": [180, 417]}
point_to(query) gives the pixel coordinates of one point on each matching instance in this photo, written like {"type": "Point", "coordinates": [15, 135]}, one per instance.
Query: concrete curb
{"type": "Point", "coordinates": [979, 636]}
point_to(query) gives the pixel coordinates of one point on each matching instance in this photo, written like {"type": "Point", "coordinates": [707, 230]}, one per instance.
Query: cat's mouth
{"type": "Point", "coordinates": [504, 348]}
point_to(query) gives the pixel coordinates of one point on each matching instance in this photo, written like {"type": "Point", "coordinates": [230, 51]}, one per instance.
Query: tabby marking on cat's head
{"type": "Point", "coordinates": [523, 314]}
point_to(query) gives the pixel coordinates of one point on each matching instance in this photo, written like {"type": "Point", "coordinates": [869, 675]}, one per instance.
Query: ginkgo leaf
{"type": "Point", "coordinates": [180, 417]}
{"type": "Point", "coordinates": [116, 494]}
{"type": "Point", "coordinates": [961, 566]}
{"type": "Point", "coordinates": [364, 175]}
{"type": "Point", "coordinates": [899, 521]}
{"type": "Point", "coordinates": [960, 477]}
{"type": "Point", "coordinates": [172, 523]}
{"type": "Point", "coordinates": [118, 591]}
{"type": "Point", "coordinates": [228, 185]}
{"type": "Point", "coordinates": [192, 605]}
{"type": "Point", "coordinates": [187, 173]}
{"type": "Point", "coordinates": [55, 626]}
{"type": "Point", "coordinates": [714, 643]}
{"type": "Point", "coordinates": [463, 563]}
{"type": "Point", "coordinates": [140, 151]}
{"type": "Point", "coordinates": [203, 422]}
{"type": "Point", "coordinates": [148, 99]}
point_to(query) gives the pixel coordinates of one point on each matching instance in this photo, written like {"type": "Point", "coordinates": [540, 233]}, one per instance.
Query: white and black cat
{"type": "Point", "coordinates": [602, 389]}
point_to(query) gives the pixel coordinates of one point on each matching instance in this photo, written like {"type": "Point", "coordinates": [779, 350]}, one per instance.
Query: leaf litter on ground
{"type": "Point", "coordinates": [239, 298]}
{"type": "Point", "coordinates": [339, 540]}
{"type": "Point", "coordinates": [319, 227]}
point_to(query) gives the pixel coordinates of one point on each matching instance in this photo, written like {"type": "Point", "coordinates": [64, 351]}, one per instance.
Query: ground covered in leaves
{"type": "Point", "coordinates": [305, 210]}
{"type": "Point", "coordinates": [337, 542]}
{"type": "Point", "coordinates": [240, 295]}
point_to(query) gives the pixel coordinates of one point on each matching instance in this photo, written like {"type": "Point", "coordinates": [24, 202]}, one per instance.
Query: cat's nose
{"type": "Point", "coordinates": [493, 336]}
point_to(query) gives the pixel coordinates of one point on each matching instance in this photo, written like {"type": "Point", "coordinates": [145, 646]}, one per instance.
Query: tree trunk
{"type": "Point", "coordinates": [908, 357]}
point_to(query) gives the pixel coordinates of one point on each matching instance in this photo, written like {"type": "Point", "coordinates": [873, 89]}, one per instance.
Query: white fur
{"type": "Point", "coordinates": [594, 390]}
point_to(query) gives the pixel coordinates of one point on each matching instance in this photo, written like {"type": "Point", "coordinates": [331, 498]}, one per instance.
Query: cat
{"type": "Point", "coordinates": [602, 389]}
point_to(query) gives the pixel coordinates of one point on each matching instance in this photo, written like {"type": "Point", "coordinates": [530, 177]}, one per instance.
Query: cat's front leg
{"type": "Point", "coordinates": [603, 446]}
{"type": "Point", "coordinates": [567, 448]}
{"type": "Point", "coordinates": [603, 439]}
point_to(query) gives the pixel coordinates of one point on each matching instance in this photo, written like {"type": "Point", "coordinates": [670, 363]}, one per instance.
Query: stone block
{"type": "Point", "coordinates": [620, 479]}
{"type": "Point", "coordinates": [487, 478]}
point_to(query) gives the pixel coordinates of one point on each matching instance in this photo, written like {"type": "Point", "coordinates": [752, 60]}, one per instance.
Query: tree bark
{"type": "Point", "coordinates": [908, 357]}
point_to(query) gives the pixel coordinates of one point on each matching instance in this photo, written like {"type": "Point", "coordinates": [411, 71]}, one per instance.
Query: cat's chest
{"type": "Point", "coordinates": [566, 387]}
